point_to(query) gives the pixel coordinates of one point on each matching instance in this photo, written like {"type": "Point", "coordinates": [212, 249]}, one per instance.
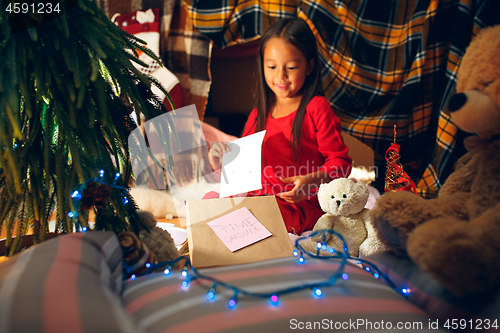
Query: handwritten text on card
{"type": "Point", "coordinates": [239, 229]}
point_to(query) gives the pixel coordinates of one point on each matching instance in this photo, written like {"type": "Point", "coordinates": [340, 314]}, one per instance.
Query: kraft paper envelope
{"type": "Point", "coordinates": [207, 249]}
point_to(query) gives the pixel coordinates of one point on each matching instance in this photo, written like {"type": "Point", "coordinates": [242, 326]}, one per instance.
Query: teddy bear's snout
{"type": "Point", "coordinates": [338, 203]}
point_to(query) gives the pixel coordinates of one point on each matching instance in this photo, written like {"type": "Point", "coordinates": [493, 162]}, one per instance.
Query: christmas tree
{"type": "Point", "coordinates": [67, 88]}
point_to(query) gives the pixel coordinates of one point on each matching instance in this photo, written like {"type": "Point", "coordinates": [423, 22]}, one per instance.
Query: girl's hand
{"type": "Point", "coordinates": [303, 186]}
{"type": "Point", "coordinates": [299, 192]}
{"type": "Point", "coordinates": [215, 154]}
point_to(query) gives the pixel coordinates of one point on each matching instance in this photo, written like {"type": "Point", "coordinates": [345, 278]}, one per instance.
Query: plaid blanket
{"type": "Point", "coordinates": [183, 49]}
{"type": "Point", "coordinates": [385, 63]}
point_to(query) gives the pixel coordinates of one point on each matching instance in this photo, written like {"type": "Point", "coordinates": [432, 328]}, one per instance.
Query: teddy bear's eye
{"type": "Point", "coordinates": [345, 196]}
{"type": "Point", "coordinates": [333, 197]}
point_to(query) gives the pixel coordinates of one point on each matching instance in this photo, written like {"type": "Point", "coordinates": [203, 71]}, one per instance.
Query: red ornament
{"type": "Point", "coordinates": [396, 178]}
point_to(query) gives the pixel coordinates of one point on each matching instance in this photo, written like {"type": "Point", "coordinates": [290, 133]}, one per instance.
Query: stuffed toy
{"type": "Point", "coordinates": [456, 236]}
{"type": "Point", "coordinates": [343, 201]}
{"type": "Point", "coordinates": [153, 246]}
{"type": "Point", "coordinates": [157, 239]}
{"type": "Point", "coordinates": [136, 255]}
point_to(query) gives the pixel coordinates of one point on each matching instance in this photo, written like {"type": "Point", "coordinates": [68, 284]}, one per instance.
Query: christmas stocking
{"type": "Point", "coordinates": [146, 26]}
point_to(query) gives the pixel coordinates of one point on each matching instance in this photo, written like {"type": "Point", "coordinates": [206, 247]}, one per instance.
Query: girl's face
{"type": "Point", "coordinates": [285, 69]}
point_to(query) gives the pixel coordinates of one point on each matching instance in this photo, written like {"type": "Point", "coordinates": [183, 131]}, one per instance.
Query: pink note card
{"type": "Point", "coordinates": [239, 229]}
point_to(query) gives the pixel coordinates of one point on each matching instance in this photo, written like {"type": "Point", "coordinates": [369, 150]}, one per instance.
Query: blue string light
{"type": "Point", "coordinates": [232, 302]}
{"type": "Point", "coordinates": [317, 292]}
{"type": "Point", "coordinates": [211, 295]}
{"type": "Point", "coordinates": [185, 284]}
{"type": "Point", "coordinates": [211, 292]}
{"type": "Point", "coordinates": [273, 296]}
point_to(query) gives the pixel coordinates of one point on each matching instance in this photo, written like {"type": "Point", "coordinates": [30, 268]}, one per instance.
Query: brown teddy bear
{"type": "Point", "coordinates": [137, 257]}
{"type": "Point", "coordinates": [456, 236]}
{"type": "Point", "coordinates": [156, 239]}
{"type": "Point", "coordinates": [152, 246]}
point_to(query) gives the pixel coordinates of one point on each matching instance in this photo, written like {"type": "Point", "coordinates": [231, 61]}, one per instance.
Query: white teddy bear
{"type": "Point", "coordinates": [343, 201]}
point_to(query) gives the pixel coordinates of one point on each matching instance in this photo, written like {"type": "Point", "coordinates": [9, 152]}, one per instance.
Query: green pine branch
{"type": "Point", "coordinates": [67, 84]}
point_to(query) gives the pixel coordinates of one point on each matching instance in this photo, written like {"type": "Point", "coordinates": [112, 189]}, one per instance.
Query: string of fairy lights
{"type": "Point", "coordinates": [190, 273]}
{"type": "Point", "coordinates": [324, 252]}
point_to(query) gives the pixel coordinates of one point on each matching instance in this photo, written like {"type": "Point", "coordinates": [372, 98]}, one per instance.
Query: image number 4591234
{"type": "Point", "coordinates": [31, 13]}
{"type": "Point", "coordinates": [32, 8]}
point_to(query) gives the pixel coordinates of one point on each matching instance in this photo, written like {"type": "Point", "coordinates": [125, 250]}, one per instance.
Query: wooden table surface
{"type": "Point", "coordinates": [178, 222]}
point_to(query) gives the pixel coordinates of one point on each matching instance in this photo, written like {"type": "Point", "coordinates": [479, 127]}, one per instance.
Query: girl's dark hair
{"type": "Point", "coordinates": [296, 32]}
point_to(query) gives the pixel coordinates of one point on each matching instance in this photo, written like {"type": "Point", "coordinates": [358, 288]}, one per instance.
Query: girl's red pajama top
{"type": "Point", "coordinates": [321, 148]}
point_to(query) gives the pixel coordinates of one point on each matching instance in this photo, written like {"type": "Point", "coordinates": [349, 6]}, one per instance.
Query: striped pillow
{"type": "Point", "coordinates": [466, 313]}
{"type": "Point", "coordinates": [159, 304]}
{"type": "Point", "coordinates": [67, 284]}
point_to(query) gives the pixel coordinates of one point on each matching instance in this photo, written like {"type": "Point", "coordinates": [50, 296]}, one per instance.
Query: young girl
{"type": "Point", "coordinates": [302, 147]}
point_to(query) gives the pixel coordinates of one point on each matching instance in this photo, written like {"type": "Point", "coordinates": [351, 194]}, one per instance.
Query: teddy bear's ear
{"type": "Point", "coordinates": [147, 218]}
{"type": "Point", "coordinates": [363, 188]}
{"type": "Point", "coordinates": [322, 202]}
{"type": "Point", "coordinates": [362, 184]}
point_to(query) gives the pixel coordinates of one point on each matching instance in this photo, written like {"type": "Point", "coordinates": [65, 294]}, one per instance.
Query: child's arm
{"type": "Point", "coordinates": [303, 186]}
{"type": "Point", "coordinates": [215, 154]}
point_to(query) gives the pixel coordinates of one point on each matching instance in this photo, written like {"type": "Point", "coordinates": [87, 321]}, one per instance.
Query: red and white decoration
{"type": "Point", "coordinates": [146, 26]}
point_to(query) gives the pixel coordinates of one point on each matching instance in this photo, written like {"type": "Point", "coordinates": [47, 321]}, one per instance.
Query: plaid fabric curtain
{"type": "Point", "coordinates": [385, 63]}
{"type": "Point", "coordinates": [183, 49]}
